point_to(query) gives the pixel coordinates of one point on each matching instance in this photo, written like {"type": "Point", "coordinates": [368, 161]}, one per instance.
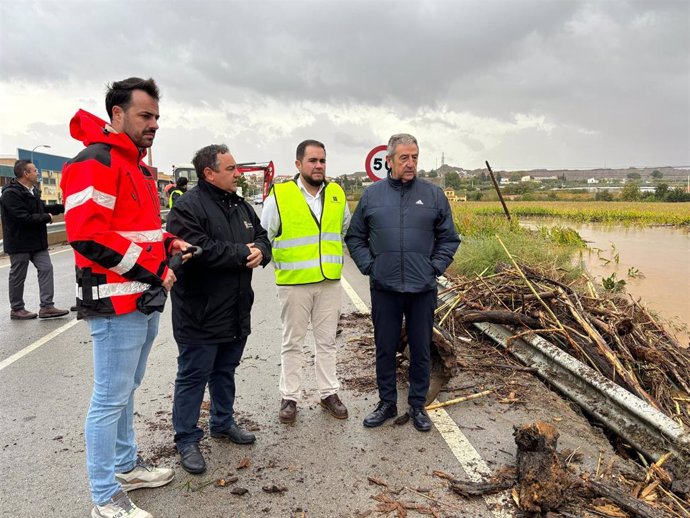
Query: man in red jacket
{"type": "Point", "coordinates": [112, 217]}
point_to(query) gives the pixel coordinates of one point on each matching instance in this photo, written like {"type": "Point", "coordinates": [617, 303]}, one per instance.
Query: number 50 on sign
{"type": "Point", "coordinates": [375, 164]}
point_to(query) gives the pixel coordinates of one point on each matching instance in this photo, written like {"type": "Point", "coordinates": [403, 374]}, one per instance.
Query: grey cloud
{"type": "Point", "coordinates": [618, 68]}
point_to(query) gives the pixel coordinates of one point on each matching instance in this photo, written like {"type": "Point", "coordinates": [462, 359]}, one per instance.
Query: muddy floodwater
{"type": "Point", "coordinates": [654, 263]}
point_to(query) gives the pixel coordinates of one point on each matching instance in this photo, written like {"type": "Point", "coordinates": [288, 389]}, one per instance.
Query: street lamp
{"type": "Point", "coordinates": [34, 149]}
{"type": "Point", "coordinates": [32, 159]}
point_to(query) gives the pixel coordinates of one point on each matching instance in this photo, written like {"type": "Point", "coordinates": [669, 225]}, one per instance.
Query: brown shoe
{"type": "Point", "coordinates": [334, 406]}
{"type": "Point", "coordinates": [52, 312]}
{"type": "Point", "coordinates": [288, 411]}
{"type": "Point", "coordinates": [22, 314]}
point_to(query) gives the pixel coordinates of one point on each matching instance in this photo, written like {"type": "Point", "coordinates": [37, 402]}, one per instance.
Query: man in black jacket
{"type": "Point", "coordinates": [24, 219]}
{"type": "Point", "coordinates": [212, 300]}
{"type": "Point", "coordinates": [402, 236]}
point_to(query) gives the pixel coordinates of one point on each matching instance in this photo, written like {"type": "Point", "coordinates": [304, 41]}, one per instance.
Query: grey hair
{"type": "Point", "coordinates": [398, 139]}
{"type": "Point", "coordinates": [208, 157]}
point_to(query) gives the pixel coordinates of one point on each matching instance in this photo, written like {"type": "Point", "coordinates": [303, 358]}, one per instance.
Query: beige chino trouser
{"type": "Point", "coordinates": [319, 304]}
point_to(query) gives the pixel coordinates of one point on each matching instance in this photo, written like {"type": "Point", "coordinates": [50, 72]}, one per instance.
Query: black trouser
{"type": "Point", "coordinates": [387, 310]}
{"type": "Point", "coordinates": [197, 365]}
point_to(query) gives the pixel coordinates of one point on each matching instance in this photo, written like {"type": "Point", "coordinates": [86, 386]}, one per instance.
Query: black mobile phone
{"type": "Point", "coordinates": [176, 260]}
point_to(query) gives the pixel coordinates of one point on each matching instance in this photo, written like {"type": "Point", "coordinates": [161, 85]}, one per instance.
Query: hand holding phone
{"type": "Point", "coordinates": [188, 253]}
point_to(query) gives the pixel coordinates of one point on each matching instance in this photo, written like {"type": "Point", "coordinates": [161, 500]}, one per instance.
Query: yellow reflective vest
{"type": "Point", "coordinates": [306, 252]}
{"type": "Point", "coordinates": [172, 199]}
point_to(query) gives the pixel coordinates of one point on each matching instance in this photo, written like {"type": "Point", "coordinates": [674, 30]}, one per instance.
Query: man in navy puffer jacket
{"type": "Point", "coordinates": [402, 236]}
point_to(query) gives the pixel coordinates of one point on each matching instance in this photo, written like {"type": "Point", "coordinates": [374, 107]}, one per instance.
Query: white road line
{"type": "Point", "coordinates": [356, 300]}
{"type": "Point", "coordinates": [471, 462]}
{"type": "Point", "coordinates": [38, 343]}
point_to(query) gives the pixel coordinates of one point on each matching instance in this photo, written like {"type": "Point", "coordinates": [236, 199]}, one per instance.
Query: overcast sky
{"type": "Point", "coordinates": [524, 84]}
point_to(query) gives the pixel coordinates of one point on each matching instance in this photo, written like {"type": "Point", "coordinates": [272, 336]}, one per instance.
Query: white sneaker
{"type": "Point", "coordinates": [120, 506]}
{"type": "Point", "coordinates": [144, 474]}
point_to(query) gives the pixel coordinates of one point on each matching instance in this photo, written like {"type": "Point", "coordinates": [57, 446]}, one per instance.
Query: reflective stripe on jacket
{"type": "Point", "coordinates": [306, 251]}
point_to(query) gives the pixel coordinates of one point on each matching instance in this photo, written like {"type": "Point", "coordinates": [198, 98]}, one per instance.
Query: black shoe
{"type": "Point", "coordinates": [235, 434]}
{"type": "Point", "coordinates": [420, 419]}
{"type": "Point", "coordinates": [381, 413]}
{"type": "Point", "coordinates": [192, 460]}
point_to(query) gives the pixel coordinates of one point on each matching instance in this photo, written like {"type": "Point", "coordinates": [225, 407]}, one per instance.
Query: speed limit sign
{"type": "Point", "coordinates": [375, 164]}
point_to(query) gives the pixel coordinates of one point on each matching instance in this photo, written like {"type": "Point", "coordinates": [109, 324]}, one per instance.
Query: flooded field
{"type": "Point", "coordinates": [654, 263]}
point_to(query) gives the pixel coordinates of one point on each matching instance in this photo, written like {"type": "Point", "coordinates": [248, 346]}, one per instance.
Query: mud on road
{"type": "Point", "coordinates": [321, 467]}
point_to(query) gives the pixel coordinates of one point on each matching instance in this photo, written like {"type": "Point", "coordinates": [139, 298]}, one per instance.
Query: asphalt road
{"type": "Point", "coordinates": [324, 465]}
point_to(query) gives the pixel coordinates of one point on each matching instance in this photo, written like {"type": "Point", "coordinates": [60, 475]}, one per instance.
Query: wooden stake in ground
{"type": "Point", "coordinates": [498, 191]}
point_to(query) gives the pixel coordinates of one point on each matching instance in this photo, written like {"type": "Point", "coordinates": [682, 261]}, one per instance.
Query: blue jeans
{"type": "Point", "coordinates": [121, 346]}
{"type": "Point", "coordinates": [197, 365]}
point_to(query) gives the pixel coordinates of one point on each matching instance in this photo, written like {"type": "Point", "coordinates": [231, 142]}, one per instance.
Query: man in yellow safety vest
{"type": "Point", "coordinates": [306, 219]}
{"type": "Point", "coordinates": [179, 190]}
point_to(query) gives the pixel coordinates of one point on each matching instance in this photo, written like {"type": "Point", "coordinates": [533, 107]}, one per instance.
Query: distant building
{"type": "Point", "coordinates": [280, 178]}
{"type": "Point", "coordinates": [527, 178]}
{"type": "Point", "coordinates": [450, 194]}
{"type": "Point", "coordinates": [49, 172]}
{"type": "Point", "coordinates": [592, 180]}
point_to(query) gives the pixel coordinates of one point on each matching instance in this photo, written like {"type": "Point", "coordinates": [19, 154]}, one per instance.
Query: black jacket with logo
{"type": "Point", "coordinates": [24, 219]}
{"type": "Point", "coordinates": [402, 235]}
{"type": "Point", "coordinates": [213, 296]}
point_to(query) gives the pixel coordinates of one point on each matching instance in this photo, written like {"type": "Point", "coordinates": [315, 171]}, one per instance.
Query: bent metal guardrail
{"type": "Point", "coordinates": [650, 431]}
{"type": "Point", "coordinates": [56, 231]}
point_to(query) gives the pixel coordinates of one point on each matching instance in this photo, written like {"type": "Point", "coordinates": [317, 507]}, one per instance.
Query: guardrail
{"type": "Point", "coordinates": [650, 431]}
{"type": "Point", "coordinates": [55, 231]}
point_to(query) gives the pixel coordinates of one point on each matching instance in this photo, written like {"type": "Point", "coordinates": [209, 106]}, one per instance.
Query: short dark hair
{"type": "Point", "coordinates": [303, 147]}
{"type": "Point", "coordinates": [120, 92]}
{"type": "Point", "coordinates": [208, 157]}
{"type": "Point", "coordinates": [20, 167]}
{"type": "Point", "coordinates": [182, 181]}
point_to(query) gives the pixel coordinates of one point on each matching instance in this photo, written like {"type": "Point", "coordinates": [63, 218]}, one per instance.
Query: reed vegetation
{"type": "Point", "coordinates": [616, 213]}
{"type": "Point", "coordinates": [547, 249]}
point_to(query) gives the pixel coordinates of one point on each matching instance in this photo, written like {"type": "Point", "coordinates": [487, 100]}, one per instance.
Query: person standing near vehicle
{"type": "Point", "coordinates": [305, 219]}
{"type": "Point", "coordinates": [212, 300]}
{"type": "Point", "coordinates": [24, 219]}
{"type": "Point", "coordinates": [179, 190]}
{"type": "Point", "coordinates": [112, 217]}
{"type": "Point", "coordinates": [402, 236]}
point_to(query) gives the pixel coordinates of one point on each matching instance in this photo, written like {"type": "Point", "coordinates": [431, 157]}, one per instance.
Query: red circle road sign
{"type": "Point", "coordinates": [375, 164]}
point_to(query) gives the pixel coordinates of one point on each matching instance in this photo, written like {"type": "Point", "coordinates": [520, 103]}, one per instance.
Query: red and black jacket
{"type": "Point", "coordinates": [112, 217]}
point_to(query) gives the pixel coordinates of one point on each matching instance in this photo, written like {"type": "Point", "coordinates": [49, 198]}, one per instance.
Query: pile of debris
{"type": "Point", "coordinates": [543, 484]}
{"type": "Point", "coordinates": [613, 335]}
